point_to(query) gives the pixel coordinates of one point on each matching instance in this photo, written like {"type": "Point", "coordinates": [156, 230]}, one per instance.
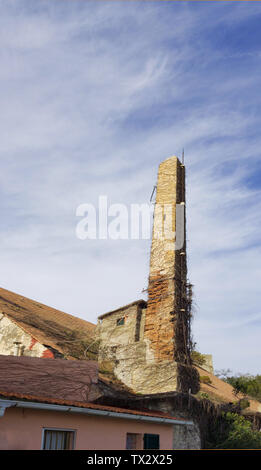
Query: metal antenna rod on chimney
{"type": "Point", "coordinates": [183, 156]}
{"type": "Point", "coordinates": [153, 191]}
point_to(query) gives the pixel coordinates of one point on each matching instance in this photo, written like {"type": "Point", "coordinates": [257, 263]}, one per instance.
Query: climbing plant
{"type": "Point", "coordinates": [235, 433]}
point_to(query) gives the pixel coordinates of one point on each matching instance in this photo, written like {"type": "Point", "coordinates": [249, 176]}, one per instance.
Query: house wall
{"type": "Point", "coordinates": [184, 437]}
{"type": "Point", "coordinates": [11, 333]}
{"type": "Point", "coordinates": [131, 331]}
{"type": "Point", "coordinates": [21, 429]}
{"type": "Point", "coordinates": [124, 353]}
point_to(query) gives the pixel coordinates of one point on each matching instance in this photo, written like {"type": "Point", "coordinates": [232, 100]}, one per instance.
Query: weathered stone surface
{"type": "Point", "coordinates": [186, 437]}
{"type": "Point", "coordinates": [128, 361]}
{"type": "Point", "coordinates": [112, 332]}
{"type": "Point", "coordinates": [208, 363]}
{"type": "Point", "coordinates": [165, 328]}
{"type": "Point", "coordinates": [15, 341]}
{"type": "Point", "coordinates": [133, 370]}
{"type": "Point", "coordinates": [146, 348]}
{"type": "Point", "coordinates": [161, 376]}
{"type": "Point", "coordinates": [63, 334]}
{"type": "Point", "coordinates": [130, 365]}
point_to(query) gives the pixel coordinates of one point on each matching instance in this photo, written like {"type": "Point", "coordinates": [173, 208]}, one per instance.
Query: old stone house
{"type": "Point", "coordinates": [29, 328]}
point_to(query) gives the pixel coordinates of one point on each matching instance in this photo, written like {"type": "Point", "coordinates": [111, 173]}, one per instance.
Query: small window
{"type": "Point", "coordinates": [133, 441]}
{"type": "Point", "coordinates": [151, 441]}
{"type": "Point", "coordinates": [58, 439]}
{"type": "Point", "coordinates": [120, 321]}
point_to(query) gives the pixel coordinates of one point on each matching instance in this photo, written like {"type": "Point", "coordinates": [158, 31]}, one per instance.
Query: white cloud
{"type": "Point", "coordinates": [93, 97]}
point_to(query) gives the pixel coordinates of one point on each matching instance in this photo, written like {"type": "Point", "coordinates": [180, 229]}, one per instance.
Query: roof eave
{"type": "Point", "coordinates": [4, 404]}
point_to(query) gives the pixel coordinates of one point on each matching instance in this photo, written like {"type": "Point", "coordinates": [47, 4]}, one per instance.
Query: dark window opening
{"type": "Point", "coordinates": [151, 441]}
{"type": "Point", "coordinates": [120, 321]}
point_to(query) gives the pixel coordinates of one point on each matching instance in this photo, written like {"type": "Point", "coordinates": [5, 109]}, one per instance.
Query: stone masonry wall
{"type": "Point", "coordinates": [116, 336]}
{"type": "Point", "coordinates": [124, 354]}
{"type": "Point", "coordinates": [10, 333]}
{"type": "Point", "coordinates": [184, 437]}
{"type": "Point", "coordinates": [129, 331]}
{"type": "Point", "coordinates": [165, 330]}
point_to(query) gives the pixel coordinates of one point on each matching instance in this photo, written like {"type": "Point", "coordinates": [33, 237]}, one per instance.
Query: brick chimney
{"type": "Point", "coordinates": [166, 325]}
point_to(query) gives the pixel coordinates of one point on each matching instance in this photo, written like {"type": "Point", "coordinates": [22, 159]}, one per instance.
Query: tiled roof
{"type": "Point", "coordinates": [223, 391]}
{"type": "Point", "coordinates": [63, 332]}
{"type": "Point", "coordinates": [56, 379]}
{"type": "Point", "coordinates": [93, 406]}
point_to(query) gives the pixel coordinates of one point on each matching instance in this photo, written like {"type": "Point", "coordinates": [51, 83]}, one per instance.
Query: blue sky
{"type": "Point", "coordinates": [94, 94]}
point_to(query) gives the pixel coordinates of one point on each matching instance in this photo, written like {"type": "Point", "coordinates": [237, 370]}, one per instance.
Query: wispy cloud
{"type": "Point", "coordinates": [93, 96]}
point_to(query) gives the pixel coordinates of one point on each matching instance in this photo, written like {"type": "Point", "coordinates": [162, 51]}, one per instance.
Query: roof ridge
{"type": "Point", "coordinates": [44, 305]}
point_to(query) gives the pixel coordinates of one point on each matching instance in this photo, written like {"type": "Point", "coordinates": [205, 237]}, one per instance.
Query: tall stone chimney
{"type": "Point", "coordinates": [167, 317]}
{"type": "Point", "coordinates": [146, 346]}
